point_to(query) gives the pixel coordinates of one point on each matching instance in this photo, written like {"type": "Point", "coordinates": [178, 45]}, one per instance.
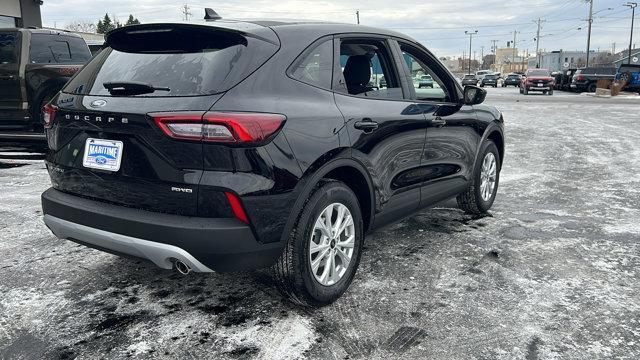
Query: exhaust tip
{"type": "Point", "coordinates": [182, 268]}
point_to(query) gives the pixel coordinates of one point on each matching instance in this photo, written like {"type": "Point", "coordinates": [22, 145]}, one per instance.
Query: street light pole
{"type": "Point", "coordinates": [633, 6]}
{"type": "Point", "coordinates": [470, 33]}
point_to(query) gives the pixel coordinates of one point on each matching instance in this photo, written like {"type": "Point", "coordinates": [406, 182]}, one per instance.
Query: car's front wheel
{"type": "Point", "coordinates": [322, 254]}
{"type": "Point", "coordinates": [479, 196]}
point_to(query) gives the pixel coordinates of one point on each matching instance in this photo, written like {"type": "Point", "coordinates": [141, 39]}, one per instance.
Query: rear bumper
{"type": "Point", "coordinates": [205, 244]}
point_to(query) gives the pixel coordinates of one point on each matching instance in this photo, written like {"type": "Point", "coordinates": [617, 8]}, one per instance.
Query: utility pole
{"type": "Point", "coordinates": [614, 49]}
{"type": "Point", "coordinates": [494, 47]}
{"type": "Point", "coordinates": [470, 33]}
{"type": "Point", "coordinates": [589, 34]}
{"type": "Point", "coordinates": [540, 21]}
{"type": "Point", "coordinates": [358, 16]}
{"type": "Point", "coordinates": [186, 11]}
{"type": "Point", "coordinates": [633, 6]}
{"type": "Point", "coordinates": [513, 58]}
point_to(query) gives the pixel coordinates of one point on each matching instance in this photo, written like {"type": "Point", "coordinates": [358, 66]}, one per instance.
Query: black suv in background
{"type": "Point", "coordinates": [469, 80]}
{"type": "Point", "coordinates": [587, 79]}
{"type": "Point", "coordinates": [257, 147]}
{"type": "Point", "coordinates": [34, 65]}
{"type": "Point", "coordinates": [512, 80]}
{"type": "Point", "coordinates": [489, 80]}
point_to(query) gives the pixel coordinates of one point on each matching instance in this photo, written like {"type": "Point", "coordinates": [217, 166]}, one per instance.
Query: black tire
{"type": "Point", "coordinates": [592, 88]}
{"type": "Point", "coordinates": [39, 101]}
{"type": "Point", "coordinates": [292, 271]}
{"type": "Point", "coordinates": [471, 200]}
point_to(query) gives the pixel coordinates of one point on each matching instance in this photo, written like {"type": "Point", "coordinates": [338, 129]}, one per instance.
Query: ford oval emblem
{"type": "Point", "coordinates": [98, 103]}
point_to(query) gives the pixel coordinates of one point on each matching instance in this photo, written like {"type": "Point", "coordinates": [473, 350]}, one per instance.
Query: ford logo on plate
{"type": "Point", "coordinates": [98, 103]}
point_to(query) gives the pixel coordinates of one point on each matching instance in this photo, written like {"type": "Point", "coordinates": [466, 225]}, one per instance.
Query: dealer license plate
{"type": "Point", "coordinates": [102, 154]}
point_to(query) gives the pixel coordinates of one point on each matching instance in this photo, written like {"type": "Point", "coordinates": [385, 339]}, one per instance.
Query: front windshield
{"type": "Point", "coordinates": [537, 73]}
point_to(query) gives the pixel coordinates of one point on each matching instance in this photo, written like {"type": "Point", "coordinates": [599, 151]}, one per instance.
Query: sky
{"type": "Point", "coordinates": [439, 25]}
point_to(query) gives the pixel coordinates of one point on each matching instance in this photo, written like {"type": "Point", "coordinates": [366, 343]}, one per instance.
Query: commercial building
{"type": "Point", "coordinates": [20, 13]}
{"type": "Point", "coordinates": [560, 60]}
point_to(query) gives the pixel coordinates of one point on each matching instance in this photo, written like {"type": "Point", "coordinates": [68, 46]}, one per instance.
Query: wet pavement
{"type": "Point", "coordinates": [552, 273]}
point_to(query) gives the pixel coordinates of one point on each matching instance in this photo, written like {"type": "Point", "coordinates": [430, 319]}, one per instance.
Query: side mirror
{"type": "Point", "coordinates": [474, 95]}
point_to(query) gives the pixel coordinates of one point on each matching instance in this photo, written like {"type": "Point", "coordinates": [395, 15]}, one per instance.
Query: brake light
{"type": "Point", "coordinates": [236, 207]}
{"type": "Point", "coordinates": [48, 115]}
{"type": "Point", "coordinates": [580, 78]}
{"type": "Point", "coordinates": [226, 127]}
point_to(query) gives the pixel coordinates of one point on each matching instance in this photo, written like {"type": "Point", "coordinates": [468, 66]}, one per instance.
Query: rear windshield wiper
{"type": "Point", "coordinates": [131, 88]}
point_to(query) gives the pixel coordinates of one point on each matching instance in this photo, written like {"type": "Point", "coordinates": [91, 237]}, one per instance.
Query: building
{"type": "Point", "coordinates": [508, 60]}
{"type": "Point", "coordinates": [623, 57]}
{"type": "Point", "coordinates": [20, 13]}
{"type": "Point", "coordinates": [560, 60]}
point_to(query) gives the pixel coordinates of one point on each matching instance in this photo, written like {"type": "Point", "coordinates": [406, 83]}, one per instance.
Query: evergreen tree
{"type": "Point", "coordinates": [105, 25]}
{"type": "Point", "coordinates": [132, 21]}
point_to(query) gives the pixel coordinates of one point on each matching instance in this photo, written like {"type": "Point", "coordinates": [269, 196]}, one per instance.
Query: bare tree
{"type": "Point", "coordinates": [81, 26]}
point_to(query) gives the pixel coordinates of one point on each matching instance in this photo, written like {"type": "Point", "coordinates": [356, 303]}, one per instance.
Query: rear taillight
{"type": "Point", "coordinates": [225, 127]}
{"type": "Point", "coordinates": [580, 78]}
{"type": "Point", "coordinates": [48, 115]}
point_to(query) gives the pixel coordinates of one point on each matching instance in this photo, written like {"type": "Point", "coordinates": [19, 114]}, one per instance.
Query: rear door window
{"type": "Point", "coordinates": [9, 48]}
{"type": "Point", "coordinates": [211, 61]}
{"type": "Point", "coordinates": [368, 69]}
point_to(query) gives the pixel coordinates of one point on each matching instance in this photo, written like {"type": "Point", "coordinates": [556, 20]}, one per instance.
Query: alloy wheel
{"type": "Point", "coordinates": [488, 174]}
{"type": "Point", "coordinates": [332, 244]}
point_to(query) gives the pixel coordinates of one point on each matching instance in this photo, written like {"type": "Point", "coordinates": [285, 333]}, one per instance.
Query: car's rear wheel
{"type": "Point", "coordinates": [323, 250]}
{"type": "Point", "coordinates": [479, 196]}
{"type": "Point", "coordinates": [592, 87]}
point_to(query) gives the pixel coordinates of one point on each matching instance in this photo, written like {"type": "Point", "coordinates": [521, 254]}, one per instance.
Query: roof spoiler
{"type": "Point", "coordinates": [211, 15]}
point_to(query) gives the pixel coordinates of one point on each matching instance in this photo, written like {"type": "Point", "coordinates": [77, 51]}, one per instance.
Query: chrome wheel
{"type": "Point", "coordinates": [488, 176]}
{"type": "Point", "coordinates": [331, 244]}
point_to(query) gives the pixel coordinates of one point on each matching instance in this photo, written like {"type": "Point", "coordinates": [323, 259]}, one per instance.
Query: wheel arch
{"type": "Point", "coordinates": [347, 170]}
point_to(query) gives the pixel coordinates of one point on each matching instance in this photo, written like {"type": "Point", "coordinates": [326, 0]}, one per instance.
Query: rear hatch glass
{"type": "Point", "coordinates": [180, 60]}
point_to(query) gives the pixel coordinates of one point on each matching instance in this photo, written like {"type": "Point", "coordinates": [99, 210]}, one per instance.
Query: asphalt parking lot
{"type": "Point", "coordinates": [552, 273]}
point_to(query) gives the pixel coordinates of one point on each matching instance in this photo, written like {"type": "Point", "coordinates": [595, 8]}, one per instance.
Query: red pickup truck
{"type": "Point", "coordinates": [537, 80]}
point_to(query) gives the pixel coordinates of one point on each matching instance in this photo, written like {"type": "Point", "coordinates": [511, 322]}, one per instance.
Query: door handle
{"type": "Point", "coordinates": [439, 122]}
{"type": "Point", "coordinates": [367, 125]}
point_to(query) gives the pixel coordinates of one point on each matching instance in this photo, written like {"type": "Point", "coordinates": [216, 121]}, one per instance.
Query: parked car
{"type": "Point", "coordinates": [537, 80]}
{"type": "Point", "coordinates": [630, 73]}
{"type": "Point", "coordinates": [489, 80]}
{"type": "Point", "coordinates": [34, 65]}
{"type": "Point", "coordinates": [280, 159]}
{"type": "Point", "coordinates": [425, 81]}
{"type": "Point", "coordinates": [512, 80]}
{"type": "Point", "coordinates": [480, 74]}
{"type": "Point", "coordinates": [470, 80]}
{"type": "Point", "coordinates": [587, 79]}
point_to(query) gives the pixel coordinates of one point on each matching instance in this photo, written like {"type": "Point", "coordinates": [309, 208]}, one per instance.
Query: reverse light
{"type": "Point", "coordinates": [236, 207]}
{"type": "Point", "coordinates": [225, 127]}
{"type": "Point", "coordinates": [48, 115]}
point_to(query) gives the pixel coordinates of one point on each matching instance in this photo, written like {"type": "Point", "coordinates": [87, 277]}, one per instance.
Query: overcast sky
{"type": "Point", "coordinates": [439, 25]}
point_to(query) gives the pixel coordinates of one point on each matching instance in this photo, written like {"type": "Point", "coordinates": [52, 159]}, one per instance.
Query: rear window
{"type": "Point", "coordinates": [211, 61]}
{"type": "Point", "coordinates": [56, 49]}
{"type": "Point", "coordinates": [9, 48]}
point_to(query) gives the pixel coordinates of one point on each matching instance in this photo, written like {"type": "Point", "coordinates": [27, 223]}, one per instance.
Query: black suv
{"type": "Point", "coordinates": [489, 80]}
{"type": "Point", "coordinates": [34, 65]}
{"type": "Point", "coordinates": [262, 144]}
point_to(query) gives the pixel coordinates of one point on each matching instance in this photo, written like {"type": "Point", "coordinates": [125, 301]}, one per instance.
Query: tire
{"type": "Point", "coordinates": [550, 92]}
{"type": "Point", "coordinates": [293, 272]}
{"type": "Point", "coordinates": [471, 201]}
{"type": "Point", "coordinates": [39, 101]}
{"type": "Point", "coordinates": [544, 92]}
{"type": "Point", "coordinates": [592, 88]}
